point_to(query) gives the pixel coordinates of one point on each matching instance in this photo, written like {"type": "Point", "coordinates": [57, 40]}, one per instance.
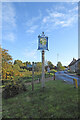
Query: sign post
{"type": "Point", "coordinates": [32, 76]}
{"type": "Point", "coordinates": [43, 45]}
{"type": "Point", "coordinates": [43, 70]}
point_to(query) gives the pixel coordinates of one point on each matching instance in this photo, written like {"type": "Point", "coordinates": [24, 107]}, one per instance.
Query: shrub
{"type": "Point", "coordinates": [13, 88]}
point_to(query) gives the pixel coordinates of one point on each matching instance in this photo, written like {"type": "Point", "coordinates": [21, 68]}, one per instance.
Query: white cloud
{"type": "Point", "coordinates": [8, 14]}
{"type": "Point", "coordinates": [8, 22]}
{"type": "Point", "coordinates": [66, 22]}
{"type": "Point", "coordinates": [45, 19]}
{"type": "Point", "coordinates": [9, 37]}
{"type": "Point", "coordinates": [74, 9]}
{"type": "Point", "coordinates": [33, 20]}
{"type": "Point", "coordinates": [55, 14]}
{"type": "Point", "coordinates": [32, 29]}
{"type": "Point", "coordinates": [32, 23]}
{"type": "Point", "coordinates": [52, 17]}
{"type": "Point", "coordinates": [58, 18]}
{"type": "Point", "coordinates": [59, 22]}
{"type": "Point", "coordinates": [69, 22]}
{"type": "Point", "coordinates": [30, 54]}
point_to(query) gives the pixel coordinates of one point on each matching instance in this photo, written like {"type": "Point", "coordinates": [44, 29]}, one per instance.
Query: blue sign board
{"type": "Point", "coordinates": [29, 66]}
{"type": "Point", "coordinates": [42, 43]}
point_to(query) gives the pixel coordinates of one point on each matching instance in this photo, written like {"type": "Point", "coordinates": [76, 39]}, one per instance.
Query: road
{"type": "Point", "coordinates": [61, 75]}
{"type": "Point", "coordinates": [67, 77]}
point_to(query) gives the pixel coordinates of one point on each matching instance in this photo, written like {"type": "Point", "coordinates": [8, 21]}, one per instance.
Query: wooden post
{"type": "Point", "coordinates": [43, 74]}
{"type": "Point", "coordinates": [32, 76]}
{"type": "Point", "coordinates": [54, 75]}
{"type": "Point", "coordinates": [75, 83]}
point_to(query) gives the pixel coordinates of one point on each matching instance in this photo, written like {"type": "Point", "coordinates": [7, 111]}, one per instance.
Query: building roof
{"type": "Point", "coordinates": [73, 62]}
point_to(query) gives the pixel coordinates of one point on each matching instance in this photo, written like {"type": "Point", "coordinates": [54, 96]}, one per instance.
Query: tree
{"type": "Point", "coordinates": [28, 63]}
{"type": "Point", "coordinates": [38, 67]}
{"type": "Point", "coordinates": [7, 71]}
{"type": "Point", "coordinates": [6, 57]}
{"type": "Point", "coordinates": [24, 64]}
{"type": "Point", "coordinates": [18, 62]}
{"type": "Point", "coordinates": [59, 66]}
{"type": "Point", "coordinates": [50, 65]}
{"type": "Point", "coordinates": [13, 86]}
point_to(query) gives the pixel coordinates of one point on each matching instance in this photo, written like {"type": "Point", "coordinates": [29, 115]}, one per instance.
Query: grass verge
{"type": "Point", "coordinates": [58, 100]}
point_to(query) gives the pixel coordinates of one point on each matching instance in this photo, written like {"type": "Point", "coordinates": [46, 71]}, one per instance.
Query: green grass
{"type": "Point", "coordinates": [29, 79]}
{"type": "Point", "coordinates": [58, 100]}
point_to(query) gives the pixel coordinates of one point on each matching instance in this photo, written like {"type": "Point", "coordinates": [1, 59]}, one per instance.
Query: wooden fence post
{"type": "Point", "coordinates": [32, 76]}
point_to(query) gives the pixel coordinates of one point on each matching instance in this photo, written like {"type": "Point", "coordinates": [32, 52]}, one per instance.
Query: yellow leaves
{"type": "Point", "coordinates": [7, 73]}
{"type": "Point", "coordinates": [3, 76]}
{"type": "Point", "coordinates": [5, 56]}
{"type": "Point", "coordinates": [12, 77]}
{"type": "Point", "coordinates": [16, 74]}
{"type": "Point", "coordinates": [21, 75]}
{"type": "Point", "coordinates": [8, 77]}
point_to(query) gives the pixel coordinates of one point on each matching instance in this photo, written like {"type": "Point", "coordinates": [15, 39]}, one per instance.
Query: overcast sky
{"type": "Point", "coordinates": [23, 22]}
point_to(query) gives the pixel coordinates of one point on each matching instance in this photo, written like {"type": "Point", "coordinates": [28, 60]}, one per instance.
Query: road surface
{"type": "Point", "coordinates": [67, 77]}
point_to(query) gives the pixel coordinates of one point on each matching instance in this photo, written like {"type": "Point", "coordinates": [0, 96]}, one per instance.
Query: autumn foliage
{"type": "Point", "coordinates": [9, 72]}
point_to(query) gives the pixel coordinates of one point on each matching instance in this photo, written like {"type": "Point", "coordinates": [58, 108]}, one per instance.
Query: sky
{"type": "Point", "coordinates": [23, 22]}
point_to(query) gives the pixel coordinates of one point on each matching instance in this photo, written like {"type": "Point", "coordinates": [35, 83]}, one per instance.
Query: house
{"type": "Point", "coordinates": [73, 66]}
